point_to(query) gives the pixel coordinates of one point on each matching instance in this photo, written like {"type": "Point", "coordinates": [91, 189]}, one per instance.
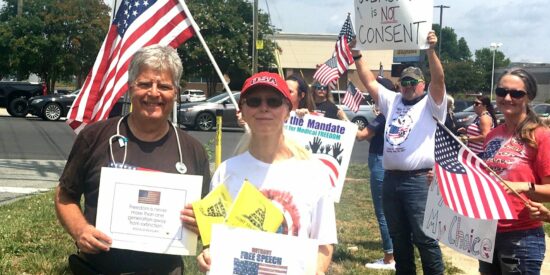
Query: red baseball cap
{"type": "Point", "coordinates": [265, 79]}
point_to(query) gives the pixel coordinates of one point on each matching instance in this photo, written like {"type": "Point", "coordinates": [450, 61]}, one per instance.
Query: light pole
{"type": "Point", "coordinates": [440, 38]}
{"type": "Point", "coordinates": [494, 46]}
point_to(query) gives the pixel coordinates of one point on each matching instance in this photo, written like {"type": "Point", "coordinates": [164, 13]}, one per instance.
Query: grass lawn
{"type": "Point", "coordinates": [33, 242]}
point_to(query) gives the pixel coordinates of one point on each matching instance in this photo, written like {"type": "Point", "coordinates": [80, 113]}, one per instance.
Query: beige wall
{"type": "Point", "coordinates": [302, 52]}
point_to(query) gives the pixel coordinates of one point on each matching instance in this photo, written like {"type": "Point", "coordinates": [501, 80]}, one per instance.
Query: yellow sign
{"type": "Point", "coordinates": [210, 210]}
{"type": "Point", "coordinates": [259, 44]}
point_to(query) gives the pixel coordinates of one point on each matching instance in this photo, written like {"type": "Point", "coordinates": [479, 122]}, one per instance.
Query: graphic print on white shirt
{"type": "Point", "coordinates": [399, 127]}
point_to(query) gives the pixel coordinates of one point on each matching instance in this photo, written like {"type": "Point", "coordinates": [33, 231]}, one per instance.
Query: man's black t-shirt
{"type": "Point", "coordinates": [81, 176]}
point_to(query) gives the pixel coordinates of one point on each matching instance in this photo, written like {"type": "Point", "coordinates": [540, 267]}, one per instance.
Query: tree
{"type": "Point", "coordinates": [451, 48]}
{"type": "Point", "coordinates": [53, 39]}
{"type": "Point", "coordinates": [227, 29]}
{"type": "Point", "coordinates": [484, 63]}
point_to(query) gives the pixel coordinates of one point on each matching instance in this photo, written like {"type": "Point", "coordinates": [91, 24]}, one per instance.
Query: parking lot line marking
{"type": "Point", "coordinates": [22, 190]}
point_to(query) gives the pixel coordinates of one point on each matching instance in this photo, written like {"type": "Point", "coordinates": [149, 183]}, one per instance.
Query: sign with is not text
{"type": "Point", "coordinates": [393, 24]}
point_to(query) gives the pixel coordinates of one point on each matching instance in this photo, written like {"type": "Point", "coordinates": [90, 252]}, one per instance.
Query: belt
{"type": "Point", "coordinates": [408, 173]}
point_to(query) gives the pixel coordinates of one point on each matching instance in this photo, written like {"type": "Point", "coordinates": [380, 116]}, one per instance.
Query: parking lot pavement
{"type": "Point", "coordinates": [23, 177]}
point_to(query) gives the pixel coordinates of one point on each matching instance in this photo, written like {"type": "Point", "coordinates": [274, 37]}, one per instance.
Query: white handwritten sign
{"type": "Point", "coordinates": [330, 140]}
{"type": "Point", "coordinates": [471, 237]}
{"type": "Point", "coordinates": [393, 24]}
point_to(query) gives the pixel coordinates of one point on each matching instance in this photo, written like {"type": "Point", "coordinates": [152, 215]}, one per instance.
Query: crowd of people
{"type": "Point", "coordinates": [401, 157]}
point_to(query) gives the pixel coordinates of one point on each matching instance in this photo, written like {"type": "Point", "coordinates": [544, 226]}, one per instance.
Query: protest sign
{"type": "Point", "coordinates": [329, 140]}
{"type": "Point", "coordinates": [210, 210]}
{"type": "Point", "coordinates": [140, 210]}
{"type": "Point", "coordinates": [471, 237]}
{"type": "Point", "coordinates": [393, 24]}
{"type": "Point", "coordinates": [245, 251]}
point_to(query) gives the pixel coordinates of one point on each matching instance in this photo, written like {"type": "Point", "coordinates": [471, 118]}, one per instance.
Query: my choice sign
{"type": "Point", "coordinates": [393, 24]}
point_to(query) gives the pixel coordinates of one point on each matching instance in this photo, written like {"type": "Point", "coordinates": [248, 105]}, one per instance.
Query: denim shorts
{"type": "Point", "coordinates": [517, 252]}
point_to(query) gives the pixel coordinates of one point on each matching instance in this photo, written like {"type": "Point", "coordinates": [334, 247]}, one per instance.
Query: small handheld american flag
{"type": "Point", "coordinates": [353, 97]}
{"type": "Point", "coordinates": [466, 185]}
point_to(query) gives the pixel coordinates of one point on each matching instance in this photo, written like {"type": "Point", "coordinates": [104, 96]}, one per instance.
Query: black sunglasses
{"type": "Point", "coordinates": [477, 103]}
{"type": "Point", "coordinates": [272, 102]}
{"type": "Point", "coordinates": [502, 92]}
{"type": "Point", "coordinates": [321, 87]}
{"type": "Point", "coordinates": [411, 82]}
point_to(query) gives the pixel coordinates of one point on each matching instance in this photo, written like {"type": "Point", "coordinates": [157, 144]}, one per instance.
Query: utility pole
{"type": "Point", "coordinates": [440, 38]}
{"type": "Point", "coordinates": [19, 7]}
{"type": "Point", "coordinates": [255, 38]}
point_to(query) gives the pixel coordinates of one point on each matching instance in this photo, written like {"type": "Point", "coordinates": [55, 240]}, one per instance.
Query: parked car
{"type": "Point", "coordinates": [467, 116]}
{"type": "Point", "coordinates": [14, 96]}
{"type": "Point", "coordinates": [202, 115]}
{"type": "Point", "coordinates": [364, 116]}
{"type": "Point", "coordinates": [192, 96]}
{"type": "Point", "coordinates": [56, 106]}
{"type": "Point", "coordinates": [461, 105]}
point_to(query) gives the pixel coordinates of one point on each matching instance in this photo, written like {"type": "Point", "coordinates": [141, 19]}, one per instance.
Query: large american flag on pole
{"type": "Point", "coordinates": [329, 72]}
{"type": "Point", "coordinates": [353, 97]}
{"type": "Point", "coordinates": [465, 184]}
{"type": "Point", "coordinates": [137, 23]}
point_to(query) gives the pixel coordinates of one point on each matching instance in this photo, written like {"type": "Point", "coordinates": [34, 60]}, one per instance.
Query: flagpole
{"type": "Point", "coordinates": [480, 160]}
{"type": "Point", "coordinates": [216, 67]}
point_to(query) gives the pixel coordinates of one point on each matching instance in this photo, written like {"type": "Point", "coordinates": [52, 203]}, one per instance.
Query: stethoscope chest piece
{"type": "Point", "coordinates": [181, 168]}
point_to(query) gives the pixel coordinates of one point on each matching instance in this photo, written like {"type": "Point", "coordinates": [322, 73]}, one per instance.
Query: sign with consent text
{"type": "Point", "coordinates": [471, 237]}
{"type": "Point", "coordinates": [140, 210]}
{"type": "Point", "coordinates": [393, 24]}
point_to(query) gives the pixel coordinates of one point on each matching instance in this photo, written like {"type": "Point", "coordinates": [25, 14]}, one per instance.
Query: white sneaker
{"type": "Point", "coordinates": [379, 264]}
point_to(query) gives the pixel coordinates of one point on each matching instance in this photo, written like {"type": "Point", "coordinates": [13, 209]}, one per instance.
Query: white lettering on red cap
{"type": "Point", "coordinates": [264, 79]}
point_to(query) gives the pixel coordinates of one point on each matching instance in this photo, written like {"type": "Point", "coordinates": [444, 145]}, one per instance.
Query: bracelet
{"type": "Point", "coordinates": [357, 57]}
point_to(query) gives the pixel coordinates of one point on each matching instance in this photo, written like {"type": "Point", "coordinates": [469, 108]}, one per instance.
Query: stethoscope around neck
{"type": "Point", "coordinates": [123, 142]}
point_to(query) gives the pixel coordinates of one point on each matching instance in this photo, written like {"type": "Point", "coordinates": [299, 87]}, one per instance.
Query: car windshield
{"type": "Point", "coordinates": [221, 96]}
{"type": "Point", "coordinates": [197, 93]}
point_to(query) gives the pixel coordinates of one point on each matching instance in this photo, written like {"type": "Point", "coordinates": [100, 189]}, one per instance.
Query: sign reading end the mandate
{"type": "Point", "coordinates": [393, 24]}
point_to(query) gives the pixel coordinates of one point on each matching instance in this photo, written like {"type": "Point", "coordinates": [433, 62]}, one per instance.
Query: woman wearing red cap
{"type": "Point", "coordinates": [280, 169]}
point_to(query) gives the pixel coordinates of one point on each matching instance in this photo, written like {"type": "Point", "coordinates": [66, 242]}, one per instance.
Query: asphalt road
{"type": "Point", "coordinates": [33, 152]}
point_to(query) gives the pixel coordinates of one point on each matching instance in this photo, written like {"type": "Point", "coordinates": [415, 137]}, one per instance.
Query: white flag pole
{"type": "Point", "coordinates": [216, 67]}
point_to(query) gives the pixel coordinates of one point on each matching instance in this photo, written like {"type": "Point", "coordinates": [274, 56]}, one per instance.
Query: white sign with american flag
{"type": "Point", "coordinates": [140, 210]}
{"type": "Point", "coordinates": [137, 24]}
{"type": "Point", "coordinates": [395, 25]}
{"type": "Point", "coordinates": [472, 237]}
{"type": "Point", "coordinates": [329, 140]}
{"type": "Point", "coordinates": [466, 185]}
{"type": "Point", "coordinates": [245, 252]}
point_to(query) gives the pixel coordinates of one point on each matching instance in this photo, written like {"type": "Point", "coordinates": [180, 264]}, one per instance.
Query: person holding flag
{"type": "Point", "coordinates": [142, 140]}
{"type": "Point", "coordinates": [409, 140]}
{"type": "Point", "coordinates": [517, 151]}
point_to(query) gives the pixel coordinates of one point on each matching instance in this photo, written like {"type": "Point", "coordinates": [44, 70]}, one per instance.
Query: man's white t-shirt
{"type": "Point", "coordinates": [409, 135]}
{"type": "Point", "coordinates": [300, 187]}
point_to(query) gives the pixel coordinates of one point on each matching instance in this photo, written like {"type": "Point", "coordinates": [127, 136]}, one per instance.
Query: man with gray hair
{"type": "Point", "coordinates": [408, 155]}
{"type": "Point", "coordinates": [145, 140]}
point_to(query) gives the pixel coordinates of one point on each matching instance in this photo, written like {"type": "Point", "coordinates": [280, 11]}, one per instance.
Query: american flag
{"type": "Point", "coordinates": [149, 197]}
{"type": "Point", "coordinates": [342, 50]}
{"type": "Point", "coordinates": [244, 267]}
{"type": "Point", "coordinates": [328, 73]}
{"type": "Point", "coordinates": [137, 23]}
{"type": "Point", "coordinates": [353, 97]}
{"type": "Point", "coordinates": [466, 186]}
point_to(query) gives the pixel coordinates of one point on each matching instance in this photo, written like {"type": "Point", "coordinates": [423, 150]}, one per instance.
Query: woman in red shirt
{"type": "Point", "coordinates": [517, 150]}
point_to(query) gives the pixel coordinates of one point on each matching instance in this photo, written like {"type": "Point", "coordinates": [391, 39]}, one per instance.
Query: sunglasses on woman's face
{"type": "Point", "coordinates": [477, 103]}
{"type": "Point", "coordinates": [321, 88]}
{"type": "Point", "coordinates": [502, 92]}
{"type": "Point", "coordinates": [272, 102]}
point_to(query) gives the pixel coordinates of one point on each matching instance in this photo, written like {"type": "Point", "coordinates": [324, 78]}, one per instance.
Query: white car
{"type": "Point", "coordinates": [192, 95]}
